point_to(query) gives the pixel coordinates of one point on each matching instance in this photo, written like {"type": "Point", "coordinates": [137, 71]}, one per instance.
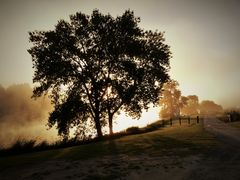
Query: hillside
{"type": "Point", "coordinates": [171, 148]}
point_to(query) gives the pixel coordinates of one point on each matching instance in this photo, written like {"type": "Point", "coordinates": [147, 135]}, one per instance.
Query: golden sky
{"type": "Point", "coordinates": [203, 35]}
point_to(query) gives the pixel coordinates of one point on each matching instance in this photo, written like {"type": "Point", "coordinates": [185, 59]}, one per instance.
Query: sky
{"type": "Point", "coordinates": [203, 35]}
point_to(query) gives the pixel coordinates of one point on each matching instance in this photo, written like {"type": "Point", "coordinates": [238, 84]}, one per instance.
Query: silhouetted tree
{"type": "Point", "coordinates": [170, 101]}
{"type": "Point", "coordinates": [95, 66]}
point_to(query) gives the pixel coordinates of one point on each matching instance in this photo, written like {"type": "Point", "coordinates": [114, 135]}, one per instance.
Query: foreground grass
{"type": "Point", "coordinates": [178, 140]}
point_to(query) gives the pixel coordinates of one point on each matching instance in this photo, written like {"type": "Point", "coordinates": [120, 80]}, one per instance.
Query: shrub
{"type": "Point", "coordinates": [44, 145]}
{"type": "Point", "coordinates": [152, 127]}
{"type": "Point", "coordinates": [23, 145]}
{"type": "Point", "coordinates": [133, 130]}
{"type": "Point", "coordinates": [20, 146]}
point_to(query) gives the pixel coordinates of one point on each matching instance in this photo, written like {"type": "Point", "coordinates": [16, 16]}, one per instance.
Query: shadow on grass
{"type": "Point", "coordinates": [24, 146]}
{"type": "Point", "coordinates": [173, 141]}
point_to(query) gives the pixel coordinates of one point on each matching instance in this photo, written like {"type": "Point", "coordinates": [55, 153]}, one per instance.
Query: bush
{"type": "Point", "coordinates": [23, 145]}
{"type": "Point", "coordinates": [133, 130]}
{"type": "Point", "coordinates": [20, 146]}
{"type": "Point", "coordinates": [44, 145]}
{"type": "Point", "coordinates": [153, 126]}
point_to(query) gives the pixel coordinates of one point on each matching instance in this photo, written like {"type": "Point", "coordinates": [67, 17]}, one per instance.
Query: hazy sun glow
{"type": "Point", "coordinates": [123, 121]}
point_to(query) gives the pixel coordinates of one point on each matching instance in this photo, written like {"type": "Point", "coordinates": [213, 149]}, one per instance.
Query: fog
{"type": "Point", "coordinates": [25, 118]}
{"type": "Point", "coordinates": [173, 104]}
{"type": "Point", "coordinates": [22, 117]}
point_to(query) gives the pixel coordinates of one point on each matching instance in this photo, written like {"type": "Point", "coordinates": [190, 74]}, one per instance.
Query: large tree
{"type": "Point", "coordinates": [171, 100]}
{"type": "Point", "coordinates": [190, 105]}
{"type": "Point", "coordinates": [96, 66]}
{"type": "Point", "coordinates": [210, 108]}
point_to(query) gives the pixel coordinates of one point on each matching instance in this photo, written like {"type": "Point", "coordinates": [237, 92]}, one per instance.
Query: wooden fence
{"type": "Point", "coordinates": [181, 120]}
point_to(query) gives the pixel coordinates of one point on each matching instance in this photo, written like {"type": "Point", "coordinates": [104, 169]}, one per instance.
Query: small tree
{"type": "Point", "coordinates": [96, 66]}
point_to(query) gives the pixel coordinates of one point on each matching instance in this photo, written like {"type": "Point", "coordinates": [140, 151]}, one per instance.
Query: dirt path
{"type": "Point", "coordinates": [221, 164]}
{"type": "Point", "coordinates": [223, 131]}
{"type": "Point", "coordinates": [224, 163]}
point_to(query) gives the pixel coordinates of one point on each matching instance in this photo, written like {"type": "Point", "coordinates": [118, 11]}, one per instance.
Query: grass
{"type": "Point", "coordinates": [176, 140]}
{"type": "Point", "coordinates": [22, 146]}
{"type": "Point", "coordinates": [235, 124]}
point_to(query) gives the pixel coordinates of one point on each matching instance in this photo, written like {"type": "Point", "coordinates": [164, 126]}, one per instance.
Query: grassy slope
{"type": "Point", "coordinates": [177, 140]}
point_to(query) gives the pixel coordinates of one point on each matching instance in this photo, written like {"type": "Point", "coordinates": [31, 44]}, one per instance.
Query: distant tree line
{"type": "Point", "coordinates": [173, 104]}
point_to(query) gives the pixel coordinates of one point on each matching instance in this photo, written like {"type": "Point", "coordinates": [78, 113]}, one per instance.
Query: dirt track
{"type": "Point", "coordinates": [224, 132]}
{"type": "Point", "coordinates": [221, 164]}
{"type": "Point", "coordinates": [224, 163]}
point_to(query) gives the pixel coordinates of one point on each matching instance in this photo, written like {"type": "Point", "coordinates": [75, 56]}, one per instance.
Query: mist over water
{"type": "Point", "coordinates": [22, 117]}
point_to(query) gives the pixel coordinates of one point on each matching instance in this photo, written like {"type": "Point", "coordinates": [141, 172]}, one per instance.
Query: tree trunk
{"type": "Point", "coordinates": [110, 121]}
{"type": "Point", "coordinates": [98, 126]}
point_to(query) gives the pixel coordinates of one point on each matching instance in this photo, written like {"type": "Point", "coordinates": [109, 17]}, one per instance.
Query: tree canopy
{"type": "Point", "coordinates": [96, 66]}
{"type": "Point", "coordinates": [210, 108]}
{"type": "Point", "coordinates": [190, 105]}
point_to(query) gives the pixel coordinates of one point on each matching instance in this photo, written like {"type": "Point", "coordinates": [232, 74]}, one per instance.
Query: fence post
{"type": "Point", "coordinates": [180, 121]}
{"type": "Point", "coordinates": [231, 117]}
{"type": "Point", "coordinates": [188, 120]}
{"type": "Point", "coordinates": [197, 119]}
